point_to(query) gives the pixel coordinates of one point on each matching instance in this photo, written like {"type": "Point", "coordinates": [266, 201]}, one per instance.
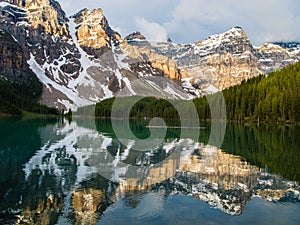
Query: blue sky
{"type": "Point", "coordinates": [187, 21]}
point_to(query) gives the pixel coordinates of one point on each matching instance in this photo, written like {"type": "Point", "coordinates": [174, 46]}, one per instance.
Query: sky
{"type": "Point", "coordinates": [188, 21]}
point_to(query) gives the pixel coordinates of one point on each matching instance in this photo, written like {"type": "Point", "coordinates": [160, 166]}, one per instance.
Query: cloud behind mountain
{"type": "Point", "coordinates": [187, 21]}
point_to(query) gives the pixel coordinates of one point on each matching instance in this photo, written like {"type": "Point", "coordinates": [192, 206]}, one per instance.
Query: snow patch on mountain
{"type": "Point", "coordinates": [71, 93]}
{"type": "Point", "coordinates": [211, 89]}
{"type": "Point", "coordinates": [84, 60]}
{"type": "Point", "coordinates": [173, 93]}
{"type": "Point", "coordinates": [208, 45]}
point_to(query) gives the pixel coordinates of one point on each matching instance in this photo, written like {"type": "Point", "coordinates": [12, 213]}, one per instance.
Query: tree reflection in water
{"type": "Point", "coordinates": [78, 172]}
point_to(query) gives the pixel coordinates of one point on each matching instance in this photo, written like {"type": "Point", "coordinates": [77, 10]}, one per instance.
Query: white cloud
{"type": "Point", "coordinates": [153, 31]}
{"type": "Point", "coordinates": [267, 20]}
{"type": "Point", "coordinates": [188, 21]}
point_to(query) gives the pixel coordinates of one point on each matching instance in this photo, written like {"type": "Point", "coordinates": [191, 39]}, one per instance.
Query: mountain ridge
{"type": "Point", "coordinates": [81, 60]}
{"type": "Point", "coordinates": [225, 59]}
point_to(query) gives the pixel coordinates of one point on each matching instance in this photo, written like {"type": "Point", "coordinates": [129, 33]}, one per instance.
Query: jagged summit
{"type": "Point", "coordinates": [270, 48]}
{"type": "Point", "coordinates": [135, 36]}
{"type": "Point", "coordinates": [234, 41]}
{"type": "Point", "coordinates": [277, 55]}
{"type": "Point", "coordinates": [234, 32]}
{"type": "Point", "coordinates": [35, 13]}
{"type": "Point", "coordinates": [28, 3]}
{"type": "Point", "coordinates": [93, 30]}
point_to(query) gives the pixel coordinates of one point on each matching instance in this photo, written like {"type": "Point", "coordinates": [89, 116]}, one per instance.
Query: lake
{"type": "Point", "coordinates": [86, 171]}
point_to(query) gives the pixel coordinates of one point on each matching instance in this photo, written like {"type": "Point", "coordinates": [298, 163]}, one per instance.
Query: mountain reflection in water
{"type": "Point", "coordinates": [79, 171]}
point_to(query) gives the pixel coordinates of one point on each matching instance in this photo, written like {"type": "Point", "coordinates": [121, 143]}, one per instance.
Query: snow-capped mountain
{"type": "Point", "coordinates": [81, 60]}
{"type": "Point", "coordinates": [223, 60]}
{"type": "Point", "coordinates": [274, 56]}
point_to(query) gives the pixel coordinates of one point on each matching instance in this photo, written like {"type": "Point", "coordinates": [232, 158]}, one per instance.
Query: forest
{"type": "Point", "coordinates": [275, 97]}
{"type": "Point", "coordinates": [16, 97]}
{"type": "Point", "coordinates": [266, 98]}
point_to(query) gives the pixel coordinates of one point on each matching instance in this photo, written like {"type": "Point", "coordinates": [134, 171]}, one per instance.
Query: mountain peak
{"type": "Point", "coordinates": [237, 28]}
{"type": "Point", "coordinates": [234, 41]}
{"type": "Point", "coordinates": [93, 30]}
{"type": "Point", "coordinates": [232, 34]}
{"type": "Point", "coordinates": [236, 31]}
{"type": "Point", "coordinates": [271, 48]}
{"type": "Point", "coordinates": [34, 13]}
{"type": "Point", "coordinates": [89, 14]}
{"type": "Point", "coordinates": [28, 3]}
{"type": "Point", "coordinates": [135, 36]}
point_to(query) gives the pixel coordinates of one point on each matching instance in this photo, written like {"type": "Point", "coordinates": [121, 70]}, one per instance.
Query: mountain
{"type": "Point", "coordinates": [275, 56]}
{"type": "Point", "coordinates": [224, 60]}
{"type": "Point", "coordinates": [81, 60]}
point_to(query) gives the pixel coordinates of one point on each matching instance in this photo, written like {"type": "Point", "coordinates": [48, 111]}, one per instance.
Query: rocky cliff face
{"type": "Point", "coordinates": [142, 55]}
{"type": "Point", "coordinates": [93, 32]}
{"type": "Point", "coordinates": [13, 64]}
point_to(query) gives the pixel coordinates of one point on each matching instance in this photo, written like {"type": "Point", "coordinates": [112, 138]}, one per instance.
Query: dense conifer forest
{"type": "Point", "coordinates": [17, 97]}
{"type": "Point", "coordinates": [275, 97]}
